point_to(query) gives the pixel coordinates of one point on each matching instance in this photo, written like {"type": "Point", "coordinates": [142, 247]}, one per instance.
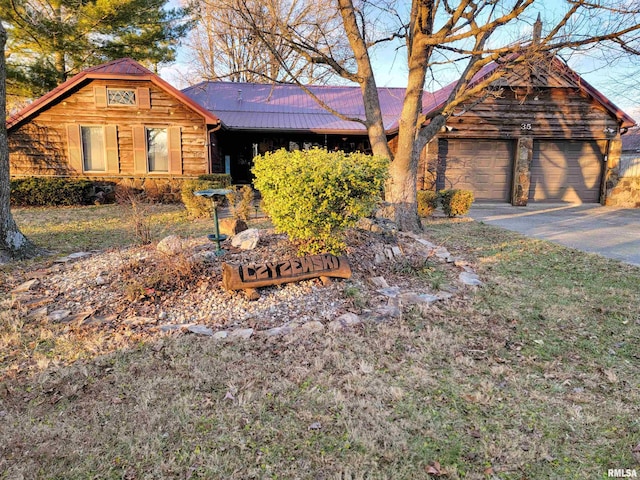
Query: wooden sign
{"type": "Point", "coordinates": [250, 277]}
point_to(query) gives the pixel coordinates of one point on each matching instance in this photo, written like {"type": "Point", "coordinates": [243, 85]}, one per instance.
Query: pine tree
{"type": "Point", "coordinates": [51, 40]}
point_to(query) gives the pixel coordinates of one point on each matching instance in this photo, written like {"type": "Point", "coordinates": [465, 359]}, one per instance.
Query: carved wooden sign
{"type": "Point", "coordinates": [250, 277]}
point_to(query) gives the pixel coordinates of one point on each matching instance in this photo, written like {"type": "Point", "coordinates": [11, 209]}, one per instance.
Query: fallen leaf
{"type": "Point", "coordinates": [489, 471]}
{"type": "Point", "coordinates": [229, 396]}
{"type": "Point", "coordinates": [315, 426]}
{"type": "Point", "coordinates": [434, 468]}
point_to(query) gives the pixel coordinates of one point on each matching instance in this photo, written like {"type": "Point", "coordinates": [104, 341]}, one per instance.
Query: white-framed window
{"type": "Point", "coordinates": [121, 97]}
{"type": "Point", "coordinates": [93, 149]}
{"type": "Point", "coordinates": [157, 150]}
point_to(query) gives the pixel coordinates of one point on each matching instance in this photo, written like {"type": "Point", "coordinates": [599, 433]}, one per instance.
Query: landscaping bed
{"type": "Point", "coordinates": [534, 374]}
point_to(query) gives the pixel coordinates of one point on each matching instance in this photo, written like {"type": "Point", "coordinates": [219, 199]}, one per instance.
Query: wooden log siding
{"type": "Point", "coordinates": [560, 113]}
{"type": "Point", "coordinates": [51, 156]}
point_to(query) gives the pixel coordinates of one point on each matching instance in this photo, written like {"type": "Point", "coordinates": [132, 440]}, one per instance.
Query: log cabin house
{"type": "Point", "coordinates": [544, 134]}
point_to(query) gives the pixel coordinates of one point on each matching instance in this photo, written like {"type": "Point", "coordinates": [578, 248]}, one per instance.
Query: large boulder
{"type": "Point", "coordinates": [246, 240]}
{"type": "Point", "coordinates": [171, 245]}
{"type": "Point", "coordinates": [232, 226]}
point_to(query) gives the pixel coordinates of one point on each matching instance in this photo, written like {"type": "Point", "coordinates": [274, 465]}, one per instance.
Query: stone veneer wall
{"type": "Point", "coordinates": [522, 172]}
{"type": "Point", "coordinates": [624, 192]}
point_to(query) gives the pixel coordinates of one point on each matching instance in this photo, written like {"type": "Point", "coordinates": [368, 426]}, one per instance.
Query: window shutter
{"type": "Point", "coordinates": [175, 151]}
{"type": "Point", "coordinates": [111, 143]}
{"type": "Point", "coordinates": [139, 150]}
{"type": "Point", "coordinates": [100, 95]}
{"type": "Point", "coordinates": [144, 98]}
{"type": "Point", "coordinates": [75, 147]}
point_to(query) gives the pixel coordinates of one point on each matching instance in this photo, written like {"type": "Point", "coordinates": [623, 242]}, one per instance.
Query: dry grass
{"type": "Point", "coordinates": [537, 375]}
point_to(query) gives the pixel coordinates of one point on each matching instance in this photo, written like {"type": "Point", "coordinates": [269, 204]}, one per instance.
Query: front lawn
{"type": "Point", "coordinates": [535, 375]}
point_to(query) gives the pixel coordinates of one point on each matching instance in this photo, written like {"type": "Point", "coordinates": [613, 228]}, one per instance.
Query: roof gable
{"type": "Point", "coordinates": [122, 69]}
{"type": "Point", "coordinates": [552, 74]}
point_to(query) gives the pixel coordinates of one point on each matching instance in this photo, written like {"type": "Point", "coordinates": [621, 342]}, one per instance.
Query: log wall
{"type": "Point", "coordinates": [40, 147]}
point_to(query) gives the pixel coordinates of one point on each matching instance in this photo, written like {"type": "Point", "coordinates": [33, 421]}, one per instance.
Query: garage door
{"type": "Point", "coordinates": [482, 166]}
{"type": "Point", "coordinates": [566, 171]}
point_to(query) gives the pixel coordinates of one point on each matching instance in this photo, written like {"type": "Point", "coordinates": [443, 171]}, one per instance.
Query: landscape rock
{"type": "Point", "coordinates": [58, 315]}
{"type": "Point", "coordinates": [173, 327]}
{"type": "Point", "coordinates": [379, 258]}
{"type": "Point", "coordinates": [278, 331]}
{"type": "Point", "coordinates": [345, 320]}
{"type": "Point", "coordinates": [386, 313]}
{"type": "Point", "coordinates": [379, 282]}
{"type": "Point", "coordinates": [221, 335]}
{"type": "Point", "coordinates": [413, 298]}
{"type": "Point", "coordinates": [242, 333]}
{"type": "Point", "coordinates": [77, 255]}
{"type": "Point", "coordinates": [246, 240]}
{"type": "Point", "coordinates": [26, 286]}
{"type": "Point", "coordinates": [137, 321]}
{"type": "Point", "coordinates": [36, 313]}
{"type": "Point", "coordinates": [232, 226]}
{"type": "Point", "coordinates": [100, 280]}
{"type": "Point", "coordinates": [391, 292]}
{"type": "Point", "coordinates": [200, 330]}
{"type": "Point", "coordinates": [469, 278]}
{"type": "Point", "coordinates": [171, 245]}
{"type": "Point", "coordinates": [312, 327]}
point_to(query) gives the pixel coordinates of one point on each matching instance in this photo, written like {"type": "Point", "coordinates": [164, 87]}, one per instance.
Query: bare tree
{"type": "Point", "coordinates": [468, 33]}
{"type": "Point", "coordinates": [223, 45]}
{"type": "Point", "coordinates": [13, 244]}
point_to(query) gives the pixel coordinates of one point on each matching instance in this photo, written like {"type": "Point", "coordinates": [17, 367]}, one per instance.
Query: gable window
{"type": "Point", "coordinates": [93, 149]}
{"type": "Point", "coordinates": [121, 97]}
{"type": "Point", "coordinates": [157, 150]}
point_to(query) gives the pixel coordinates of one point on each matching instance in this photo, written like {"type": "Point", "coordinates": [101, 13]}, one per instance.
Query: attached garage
{"type": "Point", "coordinates": [482, 166]}
{"type": "Point", "coordinates": [566, 171]}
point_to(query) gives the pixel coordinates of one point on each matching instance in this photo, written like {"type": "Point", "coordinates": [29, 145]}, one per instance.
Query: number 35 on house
{"type": "Point", "coordinates": [525, 126]}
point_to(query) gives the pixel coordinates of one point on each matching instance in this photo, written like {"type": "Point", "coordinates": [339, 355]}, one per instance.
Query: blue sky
{"type": "Point", "coordinates": [618, 80]}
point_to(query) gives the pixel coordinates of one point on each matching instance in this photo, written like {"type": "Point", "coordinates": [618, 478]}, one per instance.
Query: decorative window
{"type": "Point", "coordinates": [157, 150]}
{"type": "Point", "coordinates": [93, 149]}
{"type": "Point", "coordinates": [121, 97]}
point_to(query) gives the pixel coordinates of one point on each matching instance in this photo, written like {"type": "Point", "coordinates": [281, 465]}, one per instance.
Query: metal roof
{"type": "Point", "coordinates": [250, 106]}
{"type": "Point", "coordinates": [631, 140]}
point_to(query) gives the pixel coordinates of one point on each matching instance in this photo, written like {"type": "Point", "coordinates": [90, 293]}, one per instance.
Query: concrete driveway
{"type": "Point", "coordinates": [610, 232]}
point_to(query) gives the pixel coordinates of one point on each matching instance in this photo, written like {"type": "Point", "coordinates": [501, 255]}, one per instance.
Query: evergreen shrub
{"type": "Point", "coordinates": [456, 202]}
{"type": "Point", "coordinates": [44, 192]}
{"type": "Point", "coordinates": [427, 202]}
{"type": "Point", "coordinates": [314, 195]}
{"type": "Point", "coordinates": [200, 207]}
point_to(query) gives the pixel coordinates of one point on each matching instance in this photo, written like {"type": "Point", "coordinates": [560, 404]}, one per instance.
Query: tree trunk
{"type": "Point", "coordinates": [13, 244]}
{"type": "Point", "coordinates": [401, 188]}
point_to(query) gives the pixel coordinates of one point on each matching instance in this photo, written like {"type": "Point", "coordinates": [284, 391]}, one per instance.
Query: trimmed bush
{"type": "Point", "coordinates": [200, 207]}
{"type": "Point", "coordinates": [427, 202]}
{"type": "Point", "coordinates": [240, 202]}
{"type": "Point", "coordinates": [456, 202]}
{"type": "Point", "coordinates": [197, 207]}
{"type": "Point", "coordinates": [44, 192]}
{"type": "Point", "coordinates": [313, 195]}
{"type": "Point", "coordinates": [222, 180]}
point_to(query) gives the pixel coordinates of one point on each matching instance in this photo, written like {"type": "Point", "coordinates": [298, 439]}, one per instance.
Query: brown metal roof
{"type": "Point", "coordinates": [122, 69]}
{"type": "Point", "coordinates": [631, 140]}
{"type": "Point", "coordinates": [250, 106]}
